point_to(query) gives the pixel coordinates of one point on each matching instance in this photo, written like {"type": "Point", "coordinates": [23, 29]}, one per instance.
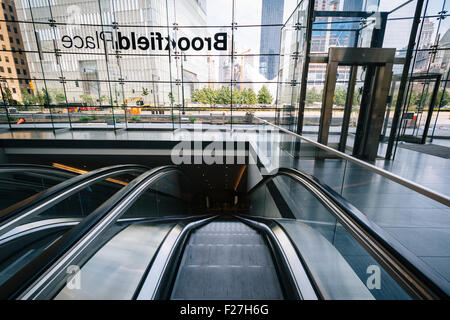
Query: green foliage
{"type": "Point", "coordinates": [192, 119]}
{"type": "Point", "coordinates": [418, 98]}
{"type": "Point", "coordinates": [104, 98]}
{"type": "Point", "coordinates": [237, 98]}
{"type": "Point", "coordinates": [223, 95]}
{"type": "Point", "coordinates": [248, 96]}
{"type": "Point", "coordinates": [204, 95]}
{"type": "Point", "coordinates": [84, 119]}
{"type": "Point", "coordinates": [27, 98]}
{"type": "Point", "coordinates": [171, 98]}
{"type": "Point", "coordinates": [145, 92]}
{"type": "Point", "coordinates": [313, 96]}
{"type": "Point", "coordinates": [58, 96]}
{"type": "Point", "coordinates": [339, 96]}
{"type": "Point", "coordinates": [264, 96]}
{"type": "Point", "coordinates": [87, 99]}
{"type": "Point", "coordinates": [135, 118]}
{"type": "Point", "coordinates": [7, 96]}
{"type": "Point", "coordinates": [445, 98]}
{"type": "Point", "coordinates": [43, 98]}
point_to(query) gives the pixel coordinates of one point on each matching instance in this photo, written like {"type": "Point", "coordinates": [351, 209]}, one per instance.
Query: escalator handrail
{"type": "Point", "coordinates": [416, 277]}
{"type": "Point", "coordinates": [40, 271]}
{"type": "Point", "coordinates": [11, 216]}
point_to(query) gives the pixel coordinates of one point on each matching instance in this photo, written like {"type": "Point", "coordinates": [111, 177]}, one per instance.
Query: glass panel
{"type": "Point", "coordinates": [17, 186]}
{"type": "Point", "coordinates": [36, 231]}
{"type": "Point", "coordinates": [126, 249]}
{"type": "Point", "coordinates": [340, 266]}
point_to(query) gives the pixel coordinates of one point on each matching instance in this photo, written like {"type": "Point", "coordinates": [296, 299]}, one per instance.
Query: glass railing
{"type": "Point", "coordinates": [403, 209]}
{"type": "Point", "coordinates": [18, 184]}
{"type": "Point", "coordinates": [340, 267]}
{"type": "Point", "coordinates": [139, 228]}
{"type": "Point", "coordinates": [25, 236]}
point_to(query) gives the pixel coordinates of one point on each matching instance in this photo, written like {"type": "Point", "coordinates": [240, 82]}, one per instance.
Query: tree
{"type": "Point", "coordinates": [171, 98]}
{"type": "Point", "coordinates": [340, 95]}
{"type": "Point", "coordinates": [313, 96]}
{"type": "Point", "coordinates": [356, 97]}
{"type": "Point", "coordinates": [223, 95]}
{"type": "Point", "coordinates": [43, 98]}
{"type": "Point", "coordinates": [104, 98]}
{"type": "Point", "coordinates": [27, 98]}
{"type": "Point", "coordinates": [196, 95]}
{"type": "Point", "coordinates": [445, 98]}
{"type": "Point", "coordinates": [87, 99]}
{"type": "Point", "coordinates": [59, 96]}
{"type": "Point", "coordinates": [208, 96]}
{"type": "Point", "coordinates": [237, 97]}
{"type": "Point", "coordinates": [8, 98]}
{"type": "Point", "coordinates": [264, 96]}
{"type": "Point", "coordinates": [248, 96]}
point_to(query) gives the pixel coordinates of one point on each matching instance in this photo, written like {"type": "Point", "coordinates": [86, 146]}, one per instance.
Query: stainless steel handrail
{"type": "Point", "coordinates": [391, 176]}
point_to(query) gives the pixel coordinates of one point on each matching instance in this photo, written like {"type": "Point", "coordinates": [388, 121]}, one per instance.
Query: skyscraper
{"type": "Point", "coordinates": [271, 13]}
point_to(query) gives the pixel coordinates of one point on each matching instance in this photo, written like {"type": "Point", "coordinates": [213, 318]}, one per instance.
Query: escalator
{"type": "Point", "coordinates": [226, 259]}
{"type": "Point", "coordinates": [152, 237]}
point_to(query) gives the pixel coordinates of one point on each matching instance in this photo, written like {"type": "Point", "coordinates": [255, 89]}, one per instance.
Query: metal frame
{"type": "Point", "coordinates": [370, 120]}
{"type": "Point", "coordinates": [404, 79]}
{"type": "Point", "coordinates": [437, 81]}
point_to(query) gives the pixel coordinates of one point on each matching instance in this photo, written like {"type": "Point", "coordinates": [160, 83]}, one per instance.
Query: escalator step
{"type": "Point", "coordinates": [226, 260]}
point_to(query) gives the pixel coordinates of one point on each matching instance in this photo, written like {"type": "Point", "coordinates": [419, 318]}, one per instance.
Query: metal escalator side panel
{"type": "Point", "coordinates": [113, 272]}
{"type": "Point", "coordinates": [226, 259]}
{"type": "Point", "coordinates": [153, 284]}
{"type": "Point", "coordinates": [332, 275]}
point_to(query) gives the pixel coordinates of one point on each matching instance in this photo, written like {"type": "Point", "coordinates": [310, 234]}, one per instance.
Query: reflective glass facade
{"type": "Point", "coordinates": [135, 63]}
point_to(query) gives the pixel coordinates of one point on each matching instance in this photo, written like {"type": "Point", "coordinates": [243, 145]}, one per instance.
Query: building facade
{"type": "Point", "coordinates": [82, 56]}
{"type": "Point", "coordinates": [14, 72]}
{"type": "Point", "coordinates": [272, 13]}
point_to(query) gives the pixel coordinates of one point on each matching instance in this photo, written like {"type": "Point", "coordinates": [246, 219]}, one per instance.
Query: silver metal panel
{"type": "Point", "coordinates": [331, 272]}
{"type": "Point", "coordinates": [114, 272]}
